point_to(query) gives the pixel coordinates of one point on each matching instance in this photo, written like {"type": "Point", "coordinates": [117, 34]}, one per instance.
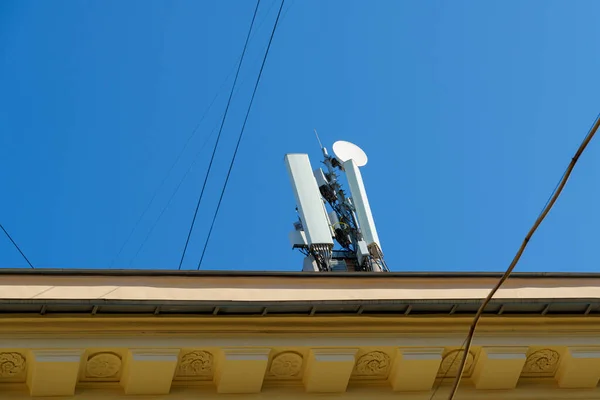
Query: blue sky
{"type": "Point", "coordinates": [469, 112]}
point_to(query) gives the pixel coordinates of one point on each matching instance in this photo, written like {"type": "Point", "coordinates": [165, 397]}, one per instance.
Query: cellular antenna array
{"type": "Point", "coordinates": [335, 232]}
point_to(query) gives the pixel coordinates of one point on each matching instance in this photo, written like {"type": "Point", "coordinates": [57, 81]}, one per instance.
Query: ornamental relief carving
{"type": "Point", "coordinates": [286, 365]}
{"type": "Point", "coordinates": [451, 361]}
{"type": "Point", "coordinates": [103, 365]}
{"type": "Point", "coordinates": [195, 364]}
{"type": "Point", "coordinates": [541, 362]}
{"type": "Point", "coordinates": [372, 364]}
{"type": "Point", "coordinates": [11, 365]}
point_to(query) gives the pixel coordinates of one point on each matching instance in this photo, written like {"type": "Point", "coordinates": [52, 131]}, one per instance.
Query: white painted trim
{"type": "Point", "coordinates": [58, 355]}
{"type": "Point", "coordinates": [161, 355]}
{"type": "Point", "coordinates": [422, 354]}
{"type": "Point", "coordinates": [243, 354]}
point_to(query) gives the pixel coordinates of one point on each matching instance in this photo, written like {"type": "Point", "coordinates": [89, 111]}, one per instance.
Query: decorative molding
{"type": "Point", "coordinates": [246, 354]}
{"type": "Point", "coordinates": [11, 365]}
{"type": "Point", "coordinates": [286, 365]}
{"type": "Point", "coordinates": [241, 369]}
{"type": "Point", "coordinates": [155, 355]}
{"type": "Point", "coordinates": [420, 332]}
{"type": "Point", "coordinates": [149, 371]}
{"type": "Point", "coordinates": [421, 353]}
{"type": "Point", "coordinates": [374, 363]}
{"type": "Point", "coordinates": [334, 355]}
{"type": "Point", "coordinates": [195, 364]}
{"type": "Point", "coordinates": [415, 369]}
{"type": "Point", "coordinates": [103, 365]}
{"type": "Point", "coordinates": [57, 355]}
{"type": "Point", "coordinates": [451, 362]}
{"type": "Point", "coordinates": [541, 362]}
{"type": "Point", "coordinates": [328, 370]}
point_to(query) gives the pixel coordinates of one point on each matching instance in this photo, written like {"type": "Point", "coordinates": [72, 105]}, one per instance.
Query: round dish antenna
{"type": "Point", "coordinates": [349, 151]}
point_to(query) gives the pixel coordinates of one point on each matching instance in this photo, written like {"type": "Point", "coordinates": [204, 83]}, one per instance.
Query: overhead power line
{"type": "Point", "coordinates": [170, 200]}
{"type": "Point", "coordinates": [556, 193]}
{"type": "Point", "coordinates": [185, 146]}
{"type": "Point", "coordinates": [165, 208]}
{"type": "Point", "coordinates": [195, 160]}
{"type": "Point", "coordinates": [237, 146]}
{"type": "Point", "coordinates": [441, 381]}
{"type": "Point", "coordinates": [167, 175]}
{"type": "Point", "coordinates": [187, 241]}
{"type": "Point", "coordinates": [16, 246]}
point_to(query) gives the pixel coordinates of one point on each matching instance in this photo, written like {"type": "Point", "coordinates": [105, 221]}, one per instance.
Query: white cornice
{"type": "Point", "coordinates": [291, 288]}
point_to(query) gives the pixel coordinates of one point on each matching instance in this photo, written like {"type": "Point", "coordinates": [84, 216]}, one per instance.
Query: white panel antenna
{"type": "Point", "coordinates": [361, 203]}
{"type": "Point", "coordinates": [353, 157]}
{"type": "Point", "coordinates": [311, 209]}
{"type": "Point", "coordinates": [327, 213]}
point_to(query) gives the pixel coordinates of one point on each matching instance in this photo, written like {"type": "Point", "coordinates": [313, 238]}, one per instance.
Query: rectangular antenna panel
{"type": "Point", "coordinates": [333, 219]}
{"type": "Point", "coordinates": [310, 265]}
{"type": "Point", "coordinates": [320, 177]}
{"type": "Point", "coordinates": [308, 198]}
{"type": "Point", "coordinates": [339, 266]}
{"type": "Point", "coordinates": [361, 203]}
{"type": "Point", "coordinates": [362, 251]}
{"type": "Point", "coordinates": [298, 239]}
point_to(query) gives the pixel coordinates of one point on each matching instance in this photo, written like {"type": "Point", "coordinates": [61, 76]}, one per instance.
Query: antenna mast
{"type": "Point", "coordinates": [318, 139]}
{"type": "Point", "coordinates": [350, 221]}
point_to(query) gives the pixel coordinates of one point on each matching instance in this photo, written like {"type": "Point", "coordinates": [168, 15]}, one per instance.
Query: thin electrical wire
{"type": "Point", "coordinates": [515, 260]}
{"type": "Point", "coordinates": [262, 22]}
{"type": "Point", "coordinates": [238, 88]}
{"type": "Point", "coordinates": [168, 174]}
{"type": "Point", "coordinates": [218, 136]}
{"type": "Point", "coordinates": [195, 160]}
{"type": "Point", "coordinates": [287, 10]}
{"type": "Point", "coordinates": [237, 146]}
{"type": "Point", "coordinates": [186, 145]}
{"type": "Point", "coordinates": [166, 207]}
{"type": "Point", "coordinates": [16, 246]}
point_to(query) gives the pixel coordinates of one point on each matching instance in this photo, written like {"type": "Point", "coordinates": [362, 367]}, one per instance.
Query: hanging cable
{"type": "Point", "coordinates": [447, 372]}
{"type": "Point", "coordinates": [187, 241]}
{"type": "Point", "coordinates": [166, 207]}
{"type": "Point", "coordinates": [237, 146]}
{"type": "Point", "coordinates": [195, 160]}
{"type": "Point", "coordinates": [511, 267]}
{"type": "Point", "coordinates": [194, 131]}
{"type": "Point", "coordinates": [16, 246]}
{"type": "Point", "coordinates": [167, 175]}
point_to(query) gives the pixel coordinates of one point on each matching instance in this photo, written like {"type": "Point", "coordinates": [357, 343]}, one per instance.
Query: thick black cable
{"type": "Point", "coordinates": [237, 146]}
{"type": "Point", "coordinates": [16, 246]}
{"type": "Point", "coordinates": [563, 175]}
{"type": "Point", "coordinates": [443, 378]}
{"type": "Point", "coordinates": [212, 158]}
{"type": "Point", "coordinates": [556, 194]}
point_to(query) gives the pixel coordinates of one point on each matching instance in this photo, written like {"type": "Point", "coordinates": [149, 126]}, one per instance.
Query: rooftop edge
{"type": "Point", "coordinates": [299, 274]}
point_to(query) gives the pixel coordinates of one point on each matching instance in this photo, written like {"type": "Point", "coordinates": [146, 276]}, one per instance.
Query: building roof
{"type": "Point", "coordinates": [384, 334]}
{"type": "Point", "coordinates": [299, 293]}
{"type": "Point", "coordinates": [230, 273]}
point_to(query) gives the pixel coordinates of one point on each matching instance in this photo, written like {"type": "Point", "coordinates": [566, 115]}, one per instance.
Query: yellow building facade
{"type": "Point", "coordinates": [210, 335]}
